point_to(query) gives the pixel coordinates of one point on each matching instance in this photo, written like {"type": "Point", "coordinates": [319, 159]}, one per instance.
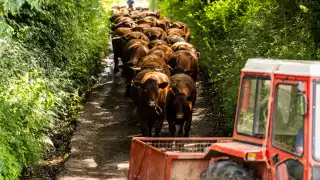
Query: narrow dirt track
{"type": "Point", "coordinates": [100, 147]}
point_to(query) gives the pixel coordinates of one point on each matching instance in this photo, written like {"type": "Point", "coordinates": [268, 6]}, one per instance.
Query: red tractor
{"type": "Point", "coordinates": [276, 132]}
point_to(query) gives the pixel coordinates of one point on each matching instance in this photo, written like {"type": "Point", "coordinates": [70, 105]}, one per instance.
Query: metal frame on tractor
{"type": "Point", "coordinates": [277, 100]}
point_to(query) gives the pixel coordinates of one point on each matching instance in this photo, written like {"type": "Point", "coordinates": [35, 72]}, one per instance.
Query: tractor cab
{"type": "Point", "coordinates": [277, 123]}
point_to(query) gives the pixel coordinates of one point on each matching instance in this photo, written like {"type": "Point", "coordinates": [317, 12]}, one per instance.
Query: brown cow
{"type": "Point", "coordinates": [185, 46]}
{"type": "Point", "coordinates": [163, 24]}
{"type": "Point", "coordinates": [180, 103]}
{"type": "Point", "coordinates": [154, 33]}
{"type": "Point", "coordinates": [141, 27]}
{"type": "Point", "coordinates": [176, 31]}
{"type": "Point", "coordinates": [156, 43]}
{"type": "Point", "coordinates": [184, 27]}
{"type": "Point", "coordinates": [184, 61]}
{"type": "Point", "coordinates": [151, 18]}
{"type": "Point", "coordinates": [146, 21]}
{"type": "Point", "coordinates": [174, 39]}
{"type": "Point", "coordinates": [137, 35]}
{"type": "Point", "coordinates": [152, 61]}
{"type": "Point", "coordinates": [123, 19]}
{"type": "Point", "coordinates": [152, 88]}
{"type": "Point", "coordinates": [163, 51]}
{"type": "Point", "coordinates": [133, 51]}
{"type": "Point", "coordinates": [121, 31]}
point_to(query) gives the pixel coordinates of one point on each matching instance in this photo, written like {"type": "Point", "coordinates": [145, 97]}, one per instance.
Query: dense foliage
{"type": "Point", "coordinates": [49, 54]}
{"type": "Point", "coordinates": [228, 32]}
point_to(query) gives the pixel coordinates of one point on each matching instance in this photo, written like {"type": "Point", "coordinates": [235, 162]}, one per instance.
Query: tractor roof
{"type": "Point", "coordinates": [287, 67]}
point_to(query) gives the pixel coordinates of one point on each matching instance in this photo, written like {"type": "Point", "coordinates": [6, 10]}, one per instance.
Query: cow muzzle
{"type": "Point", "coordinates": [179, 115]}
{"type": "Point", "coordinates": [152, 103]}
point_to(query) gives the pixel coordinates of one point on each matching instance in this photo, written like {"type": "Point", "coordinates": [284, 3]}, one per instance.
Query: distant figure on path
{"type": "Point", "coordinates": [130, 3]}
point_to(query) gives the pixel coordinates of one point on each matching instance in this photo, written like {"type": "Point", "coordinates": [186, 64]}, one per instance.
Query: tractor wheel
{"type": "Point", "coordinates": [225, 170]}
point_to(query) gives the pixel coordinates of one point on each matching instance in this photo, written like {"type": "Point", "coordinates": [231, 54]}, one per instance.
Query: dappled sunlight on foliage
{"type": "Point", "coordinates": [50, 52]}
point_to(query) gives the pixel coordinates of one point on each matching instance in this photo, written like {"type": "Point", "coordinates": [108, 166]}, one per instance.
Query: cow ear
{"type": "Point", "coordinates": [137, 84]}
{"type": "Point", "coordinates": [163, 85]}
{"type": "Point", "coordinates": [198, 55]}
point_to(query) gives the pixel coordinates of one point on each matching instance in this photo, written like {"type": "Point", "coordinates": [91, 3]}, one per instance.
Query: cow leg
{"type": "Point", "coordinates": [143, 122]}
{"type": "Point", "coordinates": [144, 128]}
{"type": "Point", "coordinates": [187, 126]}
{"type": "Point", "coordinates": [172, 128]}
{"type": "Point", "coordinates": [150, 126]}
{"type": "Point", "coordinates": [181, 129]}
{"type": "Point", "coordinates": [158, 127]}
{"type": "Point", "coordinates": [116, 63]}
{"type": "Point", "coordinates": [128, 90]}
{"type": "Point", "coordinates": [115, 60]}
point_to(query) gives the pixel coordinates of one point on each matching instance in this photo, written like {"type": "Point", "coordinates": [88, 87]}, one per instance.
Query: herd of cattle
{"type": "Point", "coordinates": [159, 65]}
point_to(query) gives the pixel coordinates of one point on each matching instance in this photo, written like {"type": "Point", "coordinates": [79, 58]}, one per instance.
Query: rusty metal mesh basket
{"type": "Point", "coordinates": [187, 145]}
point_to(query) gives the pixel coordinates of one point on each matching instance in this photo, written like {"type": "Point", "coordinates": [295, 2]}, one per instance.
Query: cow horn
{"type": "Point", "coordinates": [136, 68]}
{"type": "Point", "coordinates": [158, 69]}
{"type": "Point", "coordinates": [117, 37]}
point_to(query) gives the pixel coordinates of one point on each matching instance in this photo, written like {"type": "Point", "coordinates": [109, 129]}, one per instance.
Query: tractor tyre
{"type": "Point", "coordinates": [225, 170]}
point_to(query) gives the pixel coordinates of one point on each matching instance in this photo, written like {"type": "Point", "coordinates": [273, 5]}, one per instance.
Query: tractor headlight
{"type": "Point", "coordinates": [315, 172]}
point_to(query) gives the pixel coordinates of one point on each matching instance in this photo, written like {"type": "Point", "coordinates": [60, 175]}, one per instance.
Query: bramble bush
{"type": "Point", "coordinates": [228, 32]}
{"type": "Point", "coordinates": [50, 52]}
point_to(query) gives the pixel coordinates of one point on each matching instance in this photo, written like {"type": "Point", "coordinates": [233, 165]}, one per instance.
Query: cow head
{"type": "Point", "coordinates": [149, 90]}
{"type": "Point", "coordinates": [181, 102]}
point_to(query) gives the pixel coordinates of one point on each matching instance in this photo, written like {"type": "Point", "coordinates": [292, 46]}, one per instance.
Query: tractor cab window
{"type": "Point", "coordinates": [253, 109]}
{"type": "Point", "coordinates": [288, 123]}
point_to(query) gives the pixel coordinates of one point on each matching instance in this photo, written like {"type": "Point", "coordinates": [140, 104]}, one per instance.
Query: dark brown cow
{"type": "Point", "coordinates": [174, 39]}
{"type": "Point", "coordinates": [185, 46]}
{"type": "Point", "coordinates": [152, 89]}
{"type": "Point", "coordinates": [163, 51]}
{"type": "Point", "coordinates": [157, 42]}
{"type": "Point", "coordinates": [183, 26]}
{"type": "Point", "coordinates": [180, 103]}
{"type": "Point", "coordinates": [184, 61]}
{"type": "Point", "coordinates": [118, 44]}
{"type": "Point", "coordinates": [154, 33]}
{"type": "Point", "coordinates": [133, 51]}
{"type": "Point", "coordinates": [176, 31]}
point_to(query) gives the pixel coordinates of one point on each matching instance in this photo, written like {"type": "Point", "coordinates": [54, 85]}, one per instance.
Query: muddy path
{"type": "Point", "coordinates": [100, 146]}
